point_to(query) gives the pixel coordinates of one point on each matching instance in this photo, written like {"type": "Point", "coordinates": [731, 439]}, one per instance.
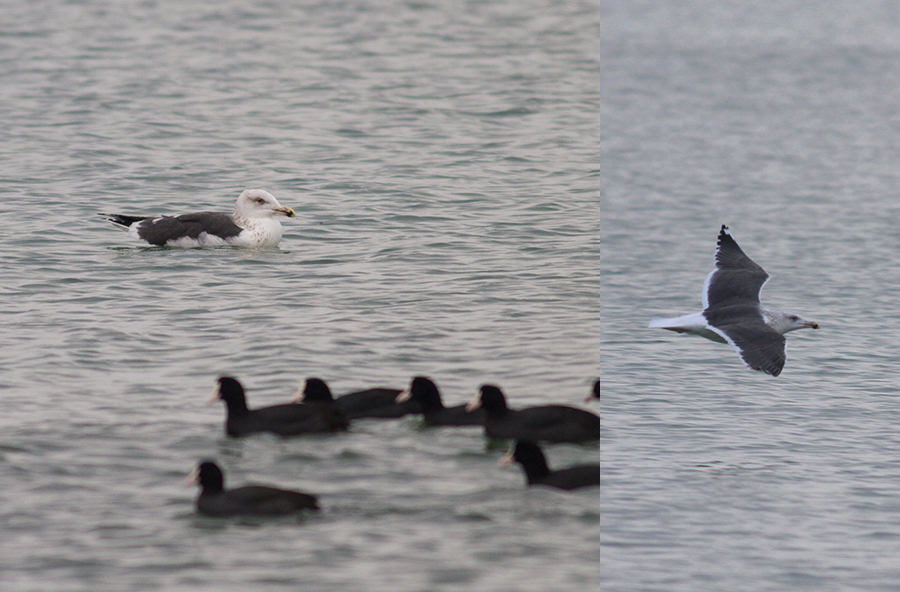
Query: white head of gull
{"type": "Point", "coordinates": [732, 312]}
{"type": "Point", "coordinates": [255, 212]}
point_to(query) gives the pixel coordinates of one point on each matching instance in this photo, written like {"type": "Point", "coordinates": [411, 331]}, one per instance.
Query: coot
{"type": "Point", "coordinates": [423, 391]}
{"type": "Point", "coordinates": [530, 456]}
{"type": "Point", "coordinates": [550, 423]}
{"type": "Point", "coordinates": [249, 500]}
{"type": "Point", "coordinates": [373, 402]}
{"type": "Point", "coordinates": [289, 419]}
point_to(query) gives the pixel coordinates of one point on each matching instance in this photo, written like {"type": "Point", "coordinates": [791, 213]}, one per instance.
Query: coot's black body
{"type": "Point", "coordinates": [548, 423]}
{"type": "Point", "coordinates": [286, 420]}
{"type": "Point", "coordinates": [249, 500]}
{"type": "Point", "coordinates": [530, 456]}
{"type": "Point", "coordinates": [369, 403]}
{"type": "Point", "coordinates": [423, 391]}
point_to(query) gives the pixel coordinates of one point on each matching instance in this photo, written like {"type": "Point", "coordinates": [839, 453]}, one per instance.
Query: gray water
{"type": "Point", "coordinates": [780, 119]}
{"type": "Point", "coordinates": [487, 192]}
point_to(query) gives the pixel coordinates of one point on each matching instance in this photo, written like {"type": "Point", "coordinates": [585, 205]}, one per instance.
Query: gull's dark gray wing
{"type": "Point", "coordinates": [760, 346]}
{"type": "Point", "coordinates": [736, 277]}
{"type": "Point", "coordinates": [160, 230]}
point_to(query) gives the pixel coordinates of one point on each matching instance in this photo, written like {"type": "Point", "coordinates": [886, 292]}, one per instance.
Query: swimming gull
{"type": "Point", "coordinates": [733, 314]}
{"type": "Point", "coordinates": [251, 225]}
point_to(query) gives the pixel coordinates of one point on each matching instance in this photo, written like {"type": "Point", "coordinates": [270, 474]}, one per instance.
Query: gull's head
{"type": "Point", "coordinates": [258, 203]}
{"type": "Point", "coordinates": [784, 322]}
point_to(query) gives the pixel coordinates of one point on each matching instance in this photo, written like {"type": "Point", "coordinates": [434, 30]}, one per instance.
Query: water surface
{"type": "Point", "coordinates": [442, 160]}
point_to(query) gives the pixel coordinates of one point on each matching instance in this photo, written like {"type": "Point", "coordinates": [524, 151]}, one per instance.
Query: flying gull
{"type": "Point", "coordinates": [732, 313]}
{"type": "Point", "coordinates": [251, 225]}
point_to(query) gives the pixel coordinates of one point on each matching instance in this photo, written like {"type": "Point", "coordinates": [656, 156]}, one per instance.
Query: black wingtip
{"type": "Point", "coordinates": [730, 255]}
{"type": "Point", "coordinates": [772, 368]}
{"type": "Point", "coordinates": [724, 237]}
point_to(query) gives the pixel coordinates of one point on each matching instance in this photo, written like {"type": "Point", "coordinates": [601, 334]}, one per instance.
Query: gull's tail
{"type": "Point", "coordinates": [123, 220]}
{"type": "Point", "coordinates": [682, 324]}
{"type": "Point", "coordinates": [694, 324]}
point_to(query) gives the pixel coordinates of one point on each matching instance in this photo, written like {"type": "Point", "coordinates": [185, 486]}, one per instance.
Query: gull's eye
{"type": "Point", "coordinates": [260, 200]}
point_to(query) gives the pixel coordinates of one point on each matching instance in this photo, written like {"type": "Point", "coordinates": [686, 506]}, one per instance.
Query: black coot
{"type": "Point", "coordinates": [530, 456]}
{"type": "Point", "coordinates": [424, 392]}
{"type": "Point", "coordinates": [373, 402]}
{"type": "Point", "coordinates": [289, 419]}
{"type": "Point", "coordinates": [249, 500]}
{"type": "Point", "coordinates": [549, 423]}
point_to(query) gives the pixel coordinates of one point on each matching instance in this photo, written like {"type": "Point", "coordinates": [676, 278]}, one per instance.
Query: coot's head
{"type": "Point", "coordinates": [595, 392]}
{"type": "Point", "coordinates": [208, 476]}
{"type": "Point", "coordinates": [527, 452]}
{"type": "Point", "coordinates": [228, 389]}
{"type": "Point", "coordinates": [424, 391]}
{"type": "Point", "coordinates": [530, 456]}
{"type": "Point", "coordinates": [489, 397]}
{"type": "Point", "coordinates": [313, 390]}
